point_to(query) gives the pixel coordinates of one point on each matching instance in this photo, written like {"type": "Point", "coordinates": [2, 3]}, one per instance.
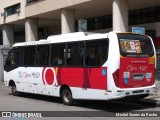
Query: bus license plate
{"type": "Point", "coordinates": [138, 76]}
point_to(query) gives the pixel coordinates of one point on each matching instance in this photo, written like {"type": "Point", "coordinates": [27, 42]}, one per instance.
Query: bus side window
{"type": "Point", "coordinates": [58, 54]}
{"type": "Point", "coordinates": [13, 58]}
{"type": "Point", "coordinates": [29, 55]}
{"type": "Point", "coordinates": [96, 52]}
{"type": "Point", "coordinates": [42, 55]}
{"type": "Point", "coordinates": [75, 54]}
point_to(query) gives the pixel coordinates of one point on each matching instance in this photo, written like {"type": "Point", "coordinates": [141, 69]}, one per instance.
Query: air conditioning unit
{"type": "Point", "coordinates": [18, 10]}
{"type": "Point", "coordinates": [5, 14]}
{"type": "Point", "coordinates": [2, 14]}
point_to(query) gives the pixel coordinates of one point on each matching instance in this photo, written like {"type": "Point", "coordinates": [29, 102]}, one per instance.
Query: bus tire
{"type": "Point", "coordinates": [14, 90]}
{"type": "Point", "coordinates": [67, 96]}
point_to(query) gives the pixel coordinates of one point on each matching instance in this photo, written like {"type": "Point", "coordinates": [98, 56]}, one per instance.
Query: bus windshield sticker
{"type": "Point", "coordinates": [126, 80]}
{"type": "Point", "coordinates": [148, 75]}
{"type": "Point", "coordinates": [104, 72]}
{"type": "Point", "coordinates": [126, 75]}
{"type": "Point", "coordinates": [130, 46]}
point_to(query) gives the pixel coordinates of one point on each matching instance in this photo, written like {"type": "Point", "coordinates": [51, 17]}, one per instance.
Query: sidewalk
{"type": "Point", "coordinates": [155, 96]}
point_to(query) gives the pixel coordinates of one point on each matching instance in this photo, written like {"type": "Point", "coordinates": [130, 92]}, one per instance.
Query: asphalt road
{"type": "Point", "coordinates": [81, 109]}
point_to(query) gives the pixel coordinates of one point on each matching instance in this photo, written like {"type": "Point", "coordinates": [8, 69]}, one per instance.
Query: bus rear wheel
{"type": "Point", "coordinates": [14, 90]}
{"type": "Point", "coordinates": [67, 96]}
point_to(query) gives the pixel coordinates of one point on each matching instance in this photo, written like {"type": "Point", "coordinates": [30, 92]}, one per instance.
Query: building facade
{"type": "Point", "coordinates": [31, 20]}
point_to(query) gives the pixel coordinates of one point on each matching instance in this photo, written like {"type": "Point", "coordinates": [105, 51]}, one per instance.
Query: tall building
{"type": "Point", "coordinates": [30, 20]}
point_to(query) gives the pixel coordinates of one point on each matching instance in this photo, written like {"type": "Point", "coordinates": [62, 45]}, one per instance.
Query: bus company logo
{"type": "Point", "coordinates": [20, 74]}
{"type": "Point", "coordinates": [28, 75]}
{"type": "Point", "coordinates": [35, 74]}
{"type": "Point", "coordinates": [49, 76]}
{"type": "Point", "coordinates": [38, 42]}
{"type": "Point", "coordinates": [135, 68]}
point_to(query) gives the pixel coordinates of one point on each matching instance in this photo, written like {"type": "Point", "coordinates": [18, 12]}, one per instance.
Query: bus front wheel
{"type": "Point", "coordinates": [67, 96]}
{"type": "Point", "coordinates": [14, 90]}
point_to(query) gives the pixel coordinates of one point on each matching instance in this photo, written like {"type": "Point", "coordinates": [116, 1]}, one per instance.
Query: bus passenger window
{"type": "Point", "coordinates": [58, 54]}
{"type": "Point", "coordinates": [96, 52]}
{"type": "Point", "coordinates": [75, 54]}
{"type": "Point", "coordinates": [29, 56]}
{"type": "Point", "coordinates": [42, 55]}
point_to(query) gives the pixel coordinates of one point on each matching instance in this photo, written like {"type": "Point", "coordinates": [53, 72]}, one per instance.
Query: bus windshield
{"type": "Point", "coordinates": [135, 45]}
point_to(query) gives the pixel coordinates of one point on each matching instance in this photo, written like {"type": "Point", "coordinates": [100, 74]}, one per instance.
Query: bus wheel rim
{"type": "Point", "coordinates": [67, 96]}
{"type": "Point", "coordinates": [14, 89]}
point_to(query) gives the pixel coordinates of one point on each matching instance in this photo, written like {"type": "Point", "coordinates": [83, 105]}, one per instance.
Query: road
{"type": "Point", "coordinates": [89, 109]}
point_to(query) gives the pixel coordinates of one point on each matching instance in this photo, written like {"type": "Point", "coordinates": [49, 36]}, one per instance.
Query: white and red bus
{"type": "Point", "coordinates": [81, 65]}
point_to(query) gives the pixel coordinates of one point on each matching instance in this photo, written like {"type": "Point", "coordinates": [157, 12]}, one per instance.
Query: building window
{"type": "Point", "coordinates": [140, 16]}
{"type": "Point", "coordinates": [90, 23]}
{"type": "Point", "coordinates": [12, 9]}
{"type": "Point", "coordinates": [145, 15]}
{"type": "Point", "coordinates": [41, 33]}
{"type": "Point", "coordinates": [158, 13]}
{"type": "Point", "coordinates": [152, 14]}
{"type": "Point", "coordinates": [131, 18]}
{"type": "Point", "coordinates": [108, 20]}
{"type": "Point", "coordinates": [101, 22]}
{"type": "Point", "coordinates": [31, 1]}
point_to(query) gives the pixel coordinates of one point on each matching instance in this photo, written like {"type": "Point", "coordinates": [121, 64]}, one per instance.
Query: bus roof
{"type": "Point", "coordinates": [65, 38]}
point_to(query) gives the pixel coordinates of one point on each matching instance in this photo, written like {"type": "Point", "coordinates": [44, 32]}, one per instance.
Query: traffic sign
{"type": "Point", "coordinates": [138, 30]}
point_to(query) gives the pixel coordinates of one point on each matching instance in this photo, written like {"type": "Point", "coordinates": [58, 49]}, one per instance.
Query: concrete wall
{"type": "Point", "coordinates": [3, 55]}
{"type": "Point", "coordinates": [50, 5]}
